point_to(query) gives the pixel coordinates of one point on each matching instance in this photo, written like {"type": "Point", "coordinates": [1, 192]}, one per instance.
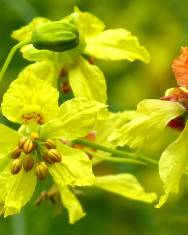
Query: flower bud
{"type": "Point", "coordinates": [55, 36]}
{"type": "Point", "coordinates": [50, 144]}
{"type": "Point", "coordinates": [34, 136]}
{"type": "Point", "coordinates": [16, 153]}
{"type": "Point", "coordinates": [48, 159]}
{"type": "Point", "coordinates": [28, 163]}
{"type": "Point", "coordinates": [16, 166]}
{"type": "Point", "coordinates": [41, 170]}
{"type": "Point", "coordinates": [54, 155]}
{"type": "Point", "coordinates": [28, 146]}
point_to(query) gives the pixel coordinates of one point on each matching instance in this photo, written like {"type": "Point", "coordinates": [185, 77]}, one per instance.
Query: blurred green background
{"type": "Point", "coordinates": [162, 26]}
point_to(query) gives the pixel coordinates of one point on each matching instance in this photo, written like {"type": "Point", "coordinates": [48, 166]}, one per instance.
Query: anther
{"type": "Point", "coordinates": [54, 155]}
{"type": "Point", "coordinates": [28, 163]}
{"type": "Point", "coordinates": [41, 170]}
{"type": "Point", "coordinates": [16, 153]}
{"type": "Point", "coordinates": [16, 166]}
{"type": "Point", "coordinates": [50, 144]}
{"type": "Point", "coordinates": [28, 146]}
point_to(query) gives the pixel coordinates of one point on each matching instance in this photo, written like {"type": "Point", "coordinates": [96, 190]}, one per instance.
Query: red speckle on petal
{"type": "Point", "coordinates": [177, 123]}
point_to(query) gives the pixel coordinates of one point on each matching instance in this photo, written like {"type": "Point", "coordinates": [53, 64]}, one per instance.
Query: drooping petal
{"type": "Point", "coordinates": [180, 67]}
{"type": "Point", "coordinates": [88, 81]}
{"type": "Point", "coordinates": [71, 203]}
{"type": "Point", "coordinates": [24, 33]}
{"type": "Point", "coordinates": [75, 168]}
{"type": "Point", "coordinates": [76, 118]}
{"type": "Point", "coordinates": [8, 140]}
{"type": "Point", "coordinates": [30, 100]}
{"type": "Point", "coordinates": [87, 23]}
{"type": "Point", "coordinates": [172, 165]}
{"type": "Point", "coordinates": [20, 188]}
{"type": "Point", "coordinates": [125, 185]}
{"type": "Point", "coordinates": [116, 44]}
{"type": "Point", "coordinates": [152, 118]}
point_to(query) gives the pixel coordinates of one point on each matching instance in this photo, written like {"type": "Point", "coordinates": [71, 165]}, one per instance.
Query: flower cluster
{"type": "Point", "coordinates": [66, 140]}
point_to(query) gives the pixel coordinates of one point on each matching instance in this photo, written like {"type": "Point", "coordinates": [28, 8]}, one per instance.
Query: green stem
{"type": "Point", "coordinates": [113, 159]}
{"type": "Point", "coordinates": [10, 56]}
{"type": "Point", "coordinates": [115, 152]}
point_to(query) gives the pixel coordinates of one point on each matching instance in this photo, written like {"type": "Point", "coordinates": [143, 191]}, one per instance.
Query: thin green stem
{"type": "Point", "coordinates": [118, 153]}
{"type": "Point", "coordinates": [10, 56]}
{"type": "Point", "coordinates": [113, 159]}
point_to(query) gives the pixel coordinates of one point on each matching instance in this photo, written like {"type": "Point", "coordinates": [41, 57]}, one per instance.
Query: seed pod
{"type": "Point", "coordinates": [54, 155]}
{"type": "Point", "coordinates": [28, 146]}
{"type": "Point", "coordinates": [22, 141]}
{"type": "Point", "coordinates": [50, 144]}
{"type": "Point", "coordinates": [55, 36]}
{"type": "Point", "coordinates": [28, 163]}
{"type": "Point", "coordinates": [34, 136]}
{"type": "Point", "coordinates": [16, 153]}
{"type": "Point", "coordinates": [16, 166]}
{"type": "Point", "coordinates": [41, 170]}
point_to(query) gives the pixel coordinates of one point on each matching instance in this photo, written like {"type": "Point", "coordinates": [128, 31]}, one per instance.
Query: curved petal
{"type": "Point", "coordinates": [116, 44]}
{"type": "Point", "coordinates": [8, 140]}
{"type": "Point", "coordinates": [172, 165]}
{"type": "Point", "coordinates": [71, 203]}
{"type": "Point", "coordinates": [24, 33]}
{"type": "Point", "coordinates": [151, 119]}
{"type": "Point", "coordinates": [29, 100]}
{"type": "Point", "coordinates": [87, 81]}
{"type": "Point", "coordinates": [75, 168]}
{"type": "Point", "coordinates": [76, 118]}
{"type": "Point", "coordinates": [87, 23]}
{"type": "Point", "coordinates": [20, 188]}
{"type": "Point", "coordinates": [125, 185]}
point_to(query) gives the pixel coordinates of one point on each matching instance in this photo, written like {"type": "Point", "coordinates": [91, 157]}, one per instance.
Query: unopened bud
{"type": "Point", "coordinates": [41, 170]}
{"type": "Point", "coordinates": [16, 166]}
{"type": "Point", "coordinates": [34, 136]}
{"type": "Point", "coordinates": [55, 36]}
{"type": "Point", "coordinates": [16, 153]}
{"type": "Point", "coordinates": [50, 144]}
{"type": "Point", "coordinates": [28, 146]}
{"type": "Point", "coordinates": [48, 159]}
{"type": "Point", "coordinates": [28, 163]}
{"type": "Point", "coordinates": [54, 155]}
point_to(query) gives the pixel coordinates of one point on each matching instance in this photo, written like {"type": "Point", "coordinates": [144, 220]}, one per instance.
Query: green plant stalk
{"type": "Point", "coordinates": [10, 56]}
{"type": "Point", "coordinates": [113, 159]}
{"type": "Point", "coordinates": [118, 153]}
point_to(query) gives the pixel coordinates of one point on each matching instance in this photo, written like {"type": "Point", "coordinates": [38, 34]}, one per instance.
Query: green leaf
{"type": "Point", "coordinates": [125, 185]}
{"type": "Point", "coordinates": [152, 116]}
{"type": "Point", "coordinates": [172, 165]}
{"type": "Point", "coordinates": [116, 44]}
{"type": "Point", "coordinates": [72, 204]}
{"type": "Point", "coordinates": [76, 118]}
{"type": "Point", "coordinates": [75, 168]}
{"type": "Point", "coordinates": [30, 100]}
{"type": "Point", "coordinates": [20, 189]}
{"type": "Point", "coordinates": [87, 81]}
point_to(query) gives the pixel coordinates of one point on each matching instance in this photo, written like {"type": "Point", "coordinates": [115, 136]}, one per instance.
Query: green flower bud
{"type": "Point", "coordinates": [28, 146]}
{"type": "Point", "coordinates": [55, 36]}
{"type": "Point", "coordinates": [28, 163]}
{"type": "Point", "coordinates": [54, 155]}
{"type": "Point", "coordinates": [50, 144]}
{"type": "Point", "coordinates": [16, 153]}
{"type": "Point", "coordinates": [16, 166]}
{"type": "Point", "coordinates": [41, 170]}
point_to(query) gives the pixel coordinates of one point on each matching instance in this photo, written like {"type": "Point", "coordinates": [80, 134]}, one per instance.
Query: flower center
{"type": "Point", "coordinates": [31, 153]}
